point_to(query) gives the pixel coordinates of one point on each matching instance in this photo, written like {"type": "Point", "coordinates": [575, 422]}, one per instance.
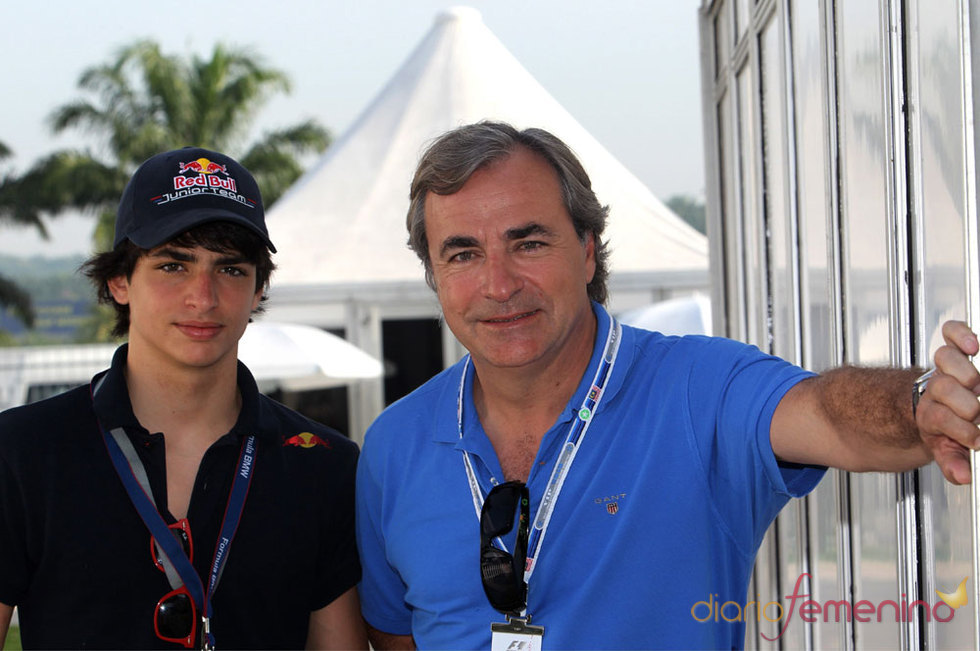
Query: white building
{"type": "Point", "coordinates": [842, 160]}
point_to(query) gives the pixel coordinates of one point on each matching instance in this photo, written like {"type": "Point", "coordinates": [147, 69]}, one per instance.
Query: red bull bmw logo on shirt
{"type": "Point", "coordinates": [202, 176]}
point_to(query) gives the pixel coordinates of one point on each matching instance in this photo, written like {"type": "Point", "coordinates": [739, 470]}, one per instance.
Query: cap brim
{"type": "Point", "coordinates": [162, 231]}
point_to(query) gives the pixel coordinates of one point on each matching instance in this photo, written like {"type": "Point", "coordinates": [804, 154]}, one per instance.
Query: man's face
{"type": "Point", "coordinates": [187, 306]}
{"type": "Point", "coordinates": [510, 271]}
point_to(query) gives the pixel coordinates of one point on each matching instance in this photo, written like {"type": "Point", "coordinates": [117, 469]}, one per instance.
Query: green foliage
{"type": "Point", "coordinates": [48, 279]}
{"type": "Point", "coordinates": [19, 301]}
{"type": "Point", "coordinates": [143, 102]}
{"type": "Point", "coordinates": [690, 209]}
{"type": "Point", "coordinates": [11, 294]}
{"type": "Point", "coordinates": [98, 328]}
{"type": "Point", "coordinates": [44, 280]}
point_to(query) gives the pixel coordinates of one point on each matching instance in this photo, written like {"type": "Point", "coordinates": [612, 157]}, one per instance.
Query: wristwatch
{"type": "Point", "coordinates": [919, 387]}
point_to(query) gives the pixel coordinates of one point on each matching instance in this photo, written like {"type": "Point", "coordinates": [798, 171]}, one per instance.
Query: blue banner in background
{"type": "Point", "coordinates": [58, 320]}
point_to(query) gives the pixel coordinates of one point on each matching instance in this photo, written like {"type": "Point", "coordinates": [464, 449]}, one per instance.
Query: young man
{"type": "Point", "coordinates": [645, 469]}
{"type": "Point", "coordinates": [168, 503]}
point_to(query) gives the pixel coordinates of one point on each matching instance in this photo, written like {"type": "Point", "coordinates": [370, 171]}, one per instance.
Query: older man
{"type": "Point", "coordinates": [610, 477]}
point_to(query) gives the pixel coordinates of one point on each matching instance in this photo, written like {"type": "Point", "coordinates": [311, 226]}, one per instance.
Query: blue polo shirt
{"type": "Point", "coordinates": [666, 503]}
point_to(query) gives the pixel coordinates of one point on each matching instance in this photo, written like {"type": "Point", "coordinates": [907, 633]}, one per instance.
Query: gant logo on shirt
{"type": "Point", "coordinates": [611, 502]}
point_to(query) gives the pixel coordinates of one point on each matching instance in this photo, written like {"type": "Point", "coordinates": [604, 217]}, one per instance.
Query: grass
{"type": "Point", "coordinates": [13, 639]}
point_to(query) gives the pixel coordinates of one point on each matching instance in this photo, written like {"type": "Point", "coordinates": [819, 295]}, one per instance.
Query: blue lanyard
{"type": "Point", "coordinates": [576, 434]}
{"type": "Point", "coordinates": [177, 566]}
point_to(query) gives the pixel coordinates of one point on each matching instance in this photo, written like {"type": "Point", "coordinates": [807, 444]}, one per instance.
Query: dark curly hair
{"type": "Point", "coordinates": [220, 237]}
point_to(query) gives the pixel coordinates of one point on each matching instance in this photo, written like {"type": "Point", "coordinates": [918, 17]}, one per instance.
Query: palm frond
{"type": "Point", "coordinates": [19, 301]}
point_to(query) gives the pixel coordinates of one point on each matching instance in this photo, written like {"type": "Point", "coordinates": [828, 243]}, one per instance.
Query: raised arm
{"type": "Point", "coordinates": [861, 419]}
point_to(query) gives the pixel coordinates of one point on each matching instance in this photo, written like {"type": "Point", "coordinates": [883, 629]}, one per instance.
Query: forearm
{"type": "Point", "coordinates": [854, 418]}
{"type": "Point", "coordinates": [381, 641]}
{"type": "Point", "coordinates": [872, 405]}
{"type": "Point", "coordinates": [338, 625]}
{"type": "Point", "coordinates": [6, 612]}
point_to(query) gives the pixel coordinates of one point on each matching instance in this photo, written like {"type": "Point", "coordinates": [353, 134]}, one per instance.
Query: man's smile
{"type": "Point", "coordinates": [510, 319]}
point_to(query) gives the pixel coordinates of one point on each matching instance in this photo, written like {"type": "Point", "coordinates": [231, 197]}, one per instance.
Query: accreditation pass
{"type": "Point", "coordinates": [516, 635]}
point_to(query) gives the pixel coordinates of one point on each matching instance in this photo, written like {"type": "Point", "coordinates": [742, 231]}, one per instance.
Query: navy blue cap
{"type": "Point", "coordinates": [177, 190]}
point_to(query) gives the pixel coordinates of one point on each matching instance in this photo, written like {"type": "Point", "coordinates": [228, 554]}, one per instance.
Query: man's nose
{"type": "Point", "coordinates": [502, 280]}
{"type": "Point", "coordinates": [202, 293]}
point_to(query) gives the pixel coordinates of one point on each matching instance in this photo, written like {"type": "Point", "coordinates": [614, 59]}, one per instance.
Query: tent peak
{"type": "Point", "coordinates": [460, 13]}
{"type": "Point", "coordinates": [459, 73]}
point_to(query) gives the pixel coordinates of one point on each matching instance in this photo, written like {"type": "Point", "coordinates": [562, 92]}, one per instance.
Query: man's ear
{"type": "Point", "coordinates": [590, 260]}
{"type": "Point", "coordinates": [119, 288]}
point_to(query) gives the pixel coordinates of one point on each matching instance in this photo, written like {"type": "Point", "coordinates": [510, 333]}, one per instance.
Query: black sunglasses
{"type": "Point", "coordinates": [175, 616]}
{"type": "Point", "coordinates": [503, 573]}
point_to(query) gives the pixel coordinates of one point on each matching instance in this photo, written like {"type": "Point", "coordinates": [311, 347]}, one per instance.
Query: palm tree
{"type": "Point", "coordinates": [145, 102]}
{"type": "Point", "coordinates": [11, 295]}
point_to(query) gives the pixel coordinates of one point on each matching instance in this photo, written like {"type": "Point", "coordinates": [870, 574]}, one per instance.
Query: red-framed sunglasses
{"type": "Point", "coordinates": [175, 616]}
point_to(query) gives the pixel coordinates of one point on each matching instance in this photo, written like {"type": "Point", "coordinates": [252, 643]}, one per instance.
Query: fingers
{"type": "Point", "coordinates": [953, 461]}
{"type": "Point", "coordinates": [949, 391]}
{"type": "Point", "coordinates": [953, 362]}
{"type": "Point", "coordinates": [959, 335]}
{"type": "Point", "coordinates": [949, 411]}
{"type": "Point", "coordinates": [938, 420]}
{"type": "Point", "coordinates": [951, 359]}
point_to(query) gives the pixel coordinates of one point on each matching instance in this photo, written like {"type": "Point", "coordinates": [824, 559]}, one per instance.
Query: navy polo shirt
{"type": "Point", "coordinates": [75, 558]}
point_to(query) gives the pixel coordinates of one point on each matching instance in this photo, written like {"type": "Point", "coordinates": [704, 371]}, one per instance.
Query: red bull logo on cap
{"type": "Point", "coordinates": [204, 170]}
{"type": "Point", "coordinates": [203, 166]}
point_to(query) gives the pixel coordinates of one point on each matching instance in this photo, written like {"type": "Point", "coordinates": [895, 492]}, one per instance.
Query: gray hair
{"type": "Point", "coordinates": [452, 159]}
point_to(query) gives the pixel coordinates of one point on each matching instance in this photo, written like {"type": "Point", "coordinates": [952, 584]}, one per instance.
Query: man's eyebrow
{"type": "Point", "coordinates": [456, 242]}
{"type": "Point", "coordinates": [173, 253]}
{"type": "Point", "coordinates": [183, 255]}
{"type": "Point", "coordinates": [520, 232]}
{"type": "Point", "coordinates": [231, 258]}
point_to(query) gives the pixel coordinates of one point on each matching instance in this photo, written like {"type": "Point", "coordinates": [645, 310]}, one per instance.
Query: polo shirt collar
{"type": "Point", "coordinates": [110, 399]}
{"type": "Point", "coordinates": [475, 439]}
{"type": "Point", "coordinates": [624, 360]}
{"type": "Point", "coordinates": [250, 419]}
{"type": "Point", "coordinates": [110, 396]}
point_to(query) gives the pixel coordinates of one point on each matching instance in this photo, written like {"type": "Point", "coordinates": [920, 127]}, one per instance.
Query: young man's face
{"type": "Point", "coordinates": [187, 306]}
{"type": "Point", "coordinates": [510, 271]}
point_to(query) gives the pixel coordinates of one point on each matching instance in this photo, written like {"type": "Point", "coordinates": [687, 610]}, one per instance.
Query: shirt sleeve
{"type": "Point", "coordinates": [733, 391]}
{"type": "Point", "coordinates": [381, 591]}
{"type": "Point", "coordinates": [339, 567]}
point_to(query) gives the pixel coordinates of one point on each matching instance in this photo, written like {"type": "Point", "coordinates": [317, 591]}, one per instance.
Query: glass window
{"type": "Point", "coordinates": [865, 156]}
{"type": "Point", "coordinates": [723, 37]}
{"type": "Point", "coordinates": [743, 14]}
{"type": "Point", "coordinates": [938, 87]}
{"type": "Point", "coordinates": [754, 303]}
{"type": "Point", "coordinates": [734, 287]}
{"type": "Point", "coordinates": [814, 209]}
{"type": "Point", "coordinates": [779, 227]}
{"type": "Point", "coordinates": [817, 285]}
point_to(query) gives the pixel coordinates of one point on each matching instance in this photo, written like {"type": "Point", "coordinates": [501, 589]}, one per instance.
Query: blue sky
{"type": "Point", "coordinates": [627, 70]}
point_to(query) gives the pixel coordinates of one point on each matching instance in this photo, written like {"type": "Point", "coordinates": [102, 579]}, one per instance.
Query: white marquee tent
{"type": "Point", "coordinates": [340, 230]}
